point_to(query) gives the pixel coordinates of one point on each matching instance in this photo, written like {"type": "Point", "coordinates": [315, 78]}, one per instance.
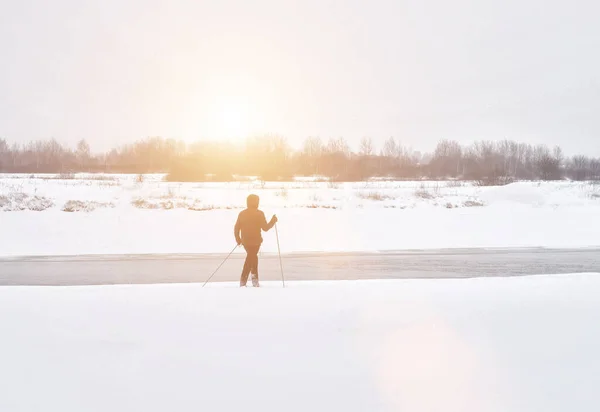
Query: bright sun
{"type": "Point", "coordinates": [226, 107]}
{"type": "Point", "coordinates": [229, 118]}
{"type": "Point", "coordinates": [232, 121]}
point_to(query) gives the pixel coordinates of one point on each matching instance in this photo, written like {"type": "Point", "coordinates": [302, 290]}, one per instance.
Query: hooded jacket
{"type": "Point", "coordinates": [250, 222]}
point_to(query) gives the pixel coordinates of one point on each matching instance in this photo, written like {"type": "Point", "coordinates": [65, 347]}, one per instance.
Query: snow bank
{"type": "Point", "coordinates": [509, 344]}
{"type": "Point", "coordinates": [159, 217]}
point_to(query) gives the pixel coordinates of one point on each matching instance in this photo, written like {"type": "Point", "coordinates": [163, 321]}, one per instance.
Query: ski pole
{"type": "Point", "coordinates": [279, 252]}
{"type": "Point", "coordinates": [219, 267]}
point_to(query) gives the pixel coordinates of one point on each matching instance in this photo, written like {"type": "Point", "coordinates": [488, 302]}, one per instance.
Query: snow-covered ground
{"type": "Point", "coordinates": [489, 344]}
{"type": "Point", "coordinates": [116, 214]}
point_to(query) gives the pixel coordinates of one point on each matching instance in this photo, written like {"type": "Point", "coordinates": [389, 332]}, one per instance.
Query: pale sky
{"type": "Point", "coordinates": [114, 71]}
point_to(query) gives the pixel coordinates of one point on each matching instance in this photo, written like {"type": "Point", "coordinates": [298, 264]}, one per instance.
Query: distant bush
{"type": "Point", "coordinates": [164, 203]}
{"type": "Point", "coordinates": [144, 204]}
{"type": "Point", "coordinates": [314, 206]}
{"type": "Point", "coordinates": [201, 208]}
{"type": "Point", "coordinates": [376, 196]}
{"type": "Point", "coordinates": [18, 201]}
{"type": "Point", "coordinates": [159, 204]}
{"type": "Point", "coordinates": [473, 203]}
{"type": "Point", "coordinates": [423, 194]}
{"type": "Point", "coordinates": [84, 206]}
{"type": "Point", "coordinates": [455, 183]}
{"type": "Point", "coordinates": [72, 176]}
{"type": "Point", "coordinates": [495, 181]}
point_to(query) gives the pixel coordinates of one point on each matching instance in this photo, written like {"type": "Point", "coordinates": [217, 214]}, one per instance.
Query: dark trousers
{"type": "Point", "coordinates": [251, 264]}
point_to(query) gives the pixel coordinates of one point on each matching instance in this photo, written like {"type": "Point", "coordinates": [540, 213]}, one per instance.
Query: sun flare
{"type": "Point", "coordinates": [232, 121]}
{"type": "Point", "coordinates": [228, 107]}
{"type": "Point", "coordinates": [229, 118]}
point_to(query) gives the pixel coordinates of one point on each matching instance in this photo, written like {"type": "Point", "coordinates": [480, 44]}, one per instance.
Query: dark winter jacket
{"type": "Point", "coordinates": [248, 227]}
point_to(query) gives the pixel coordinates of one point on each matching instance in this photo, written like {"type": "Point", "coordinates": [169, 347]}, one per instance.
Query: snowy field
{"type": "Point", "coordinates": [116, 214]}
{"type": "Point", "coordinates": [502, 344]}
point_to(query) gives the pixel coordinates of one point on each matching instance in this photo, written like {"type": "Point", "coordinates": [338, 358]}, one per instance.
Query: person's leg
{"type": "Point", "coordinates": [254, 267]}
{"type": "Point", "coordinates": [247, 267]}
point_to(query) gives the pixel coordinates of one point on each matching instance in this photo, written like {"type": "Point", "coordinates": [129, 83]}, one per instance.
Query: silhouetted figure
{"type": "Point", "coordinates": [250, 222]}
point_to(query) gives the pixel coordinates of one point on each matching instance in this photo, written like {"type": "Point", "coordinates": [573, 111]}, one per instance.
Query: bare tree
{"type": "Point", "coordinates": [4, 154]}
{"type": "Point", "coordinates": [390, 148]}
{"type": "Point", "coordinates": [579, 168]}
{"type": "Point", "coordinates": [594, 169]}
{"type": "Point", "coordinates": [338, 146]}
{"type": "Point", "coordinates": [82, 153]}
{"type": "Point", "coordinates": [310, 156]}
{"type": "Point", "coordinates": [366, 146]}
{"type": "Point", "coordinates": [447, 159]}
{"type": "Point", "coordinates": [547, 164]}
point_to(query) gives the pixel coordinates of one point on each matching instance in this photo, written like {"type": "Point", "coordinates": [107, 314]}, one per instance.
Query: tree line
{"type": "Point", "coordinates": [270, 157]}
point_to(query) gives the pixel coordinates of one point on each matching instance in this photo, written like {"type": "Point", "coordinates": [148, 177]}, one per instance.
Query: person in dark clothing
{"type": "Point", "coordinates": [250, 222]}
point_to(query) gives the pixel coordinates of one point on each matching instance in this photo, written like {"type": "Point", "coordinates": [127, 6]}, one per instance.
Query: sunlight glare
{"type": "Point", "coordinates": [228, 107]}
{"type": "Point", "coordinates": [231, 120]}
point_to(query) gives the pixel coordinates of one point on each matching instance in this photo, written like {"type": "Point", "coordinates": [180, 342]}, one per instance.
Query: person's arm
{"type": "Point", "coordinates": [237, 228]}
{"type": "Point", "coordinates": [267, 226]}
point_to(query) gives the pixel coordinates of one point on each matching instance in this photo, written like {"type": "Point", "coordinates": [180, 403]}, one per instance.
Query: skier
{"type": "Point", "coordinates": [247, 232]}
